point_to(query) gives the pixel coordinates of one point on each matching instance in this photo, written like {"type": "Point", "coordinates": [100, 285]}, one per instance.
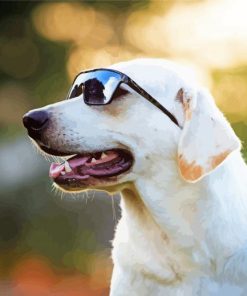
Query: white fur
{"type": "Point", "coordinates": [175, 237]}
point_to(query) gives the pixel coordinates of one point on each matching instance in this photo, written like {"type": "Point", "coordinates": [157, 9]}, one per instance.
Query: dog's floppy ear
{"type": "Point", "coordinates": [207, 138]}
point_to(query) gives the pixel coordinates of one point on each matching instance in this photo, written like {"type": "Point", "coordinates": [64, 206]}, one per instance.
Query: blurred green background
{"type": "Point", "coordinates": [53, 244]}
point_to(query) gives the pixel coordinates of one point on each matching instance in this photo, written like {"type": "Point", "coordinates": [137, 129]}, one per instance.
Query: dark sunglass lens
{"type": "Point", "coordinates": [97, 86]}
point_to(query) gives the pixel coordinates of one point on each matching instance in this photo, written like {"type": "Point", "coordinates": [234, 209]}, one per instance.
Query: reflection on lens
{"type": "Point", "coordinates": [94, 91]}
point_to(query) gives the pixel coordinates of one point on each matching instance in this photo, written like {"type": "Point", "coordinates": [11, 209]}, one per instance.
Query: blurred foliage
{"type": "Point", "coordinates": [62, 233]}
{"type": "Point", "coordinates": [55, 246]}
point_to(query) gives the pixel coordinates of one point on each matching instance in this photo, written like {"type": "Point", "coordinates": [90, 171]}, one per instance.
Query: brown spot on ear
{"type": "Point", "coordinates": [180, 96]}
{"type": "Point", "coordinates": [185, 102]}
{"type": "Point", "coordinates": [217, 160]}
{"type": "Point", "coordinates": [190, 171]}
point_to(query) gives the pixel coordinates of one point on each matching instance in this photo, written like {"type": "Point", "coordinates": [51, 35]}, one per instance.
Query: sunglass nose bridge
{"type": "Point", "coordinates": [125, 79]}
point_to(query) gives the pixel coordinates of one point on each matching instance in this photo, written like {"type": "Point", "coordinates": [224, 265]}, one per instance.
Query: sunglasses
{"type": "Point", "coordinates": [98, 87]}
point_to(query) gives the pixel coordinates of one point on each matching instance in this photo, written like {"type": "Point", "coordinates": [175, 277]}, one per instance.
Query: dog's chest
{"type": "Point", "coordinates": [142, 247]}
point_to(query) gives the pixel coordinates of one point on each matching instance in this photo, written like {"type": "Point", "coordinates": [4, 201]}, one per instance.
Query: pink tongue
{"type": "Point", "coordinates": [55, 170]}
{"type": "Point", "coordinates": [77, 161]}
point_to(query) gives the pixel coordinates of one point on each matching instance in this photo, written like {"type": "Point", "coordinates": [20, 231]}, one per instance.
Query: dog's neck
{"type": "Point", "coordinates": [203, 222]}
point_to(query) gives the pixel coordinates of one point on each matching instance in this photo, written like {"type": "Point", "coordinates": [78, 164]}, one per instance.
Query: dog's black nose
{"type": "Point", "coordinates": [35, 121]}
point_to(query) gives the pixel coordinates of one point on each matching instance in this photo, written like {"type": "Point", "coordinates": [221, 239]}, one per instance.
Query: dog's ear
{"type": "Point", "coordinates": [207, 138]}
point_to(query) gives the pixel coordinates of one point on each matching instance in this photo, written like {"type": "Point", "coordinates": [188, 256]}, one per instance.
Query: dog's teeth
{"type": "Point", "coordinates": [67, 167]}
{"type": "Point", "coordinates": [103, 155]}
{"type": "Point", "coordinates": [93, 160]}
{"type": "Point", "coordinates": [62, 173]}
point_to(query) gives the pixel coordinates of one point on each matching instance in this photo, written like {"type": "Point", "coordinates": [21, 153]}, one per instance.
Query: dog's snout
{"type": "Point", "coordinates": [35, 122]}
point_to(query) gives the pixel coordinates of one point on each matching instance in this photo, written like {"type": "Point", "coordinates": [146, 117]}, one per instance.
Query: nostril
{"type": "Point", "coordinates": [35, 120]}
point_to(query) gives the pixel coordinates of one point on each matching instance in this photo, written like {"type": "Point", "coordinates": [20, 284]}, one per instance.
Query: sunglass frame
{"type": "Point", "coordinates": [133, 85]}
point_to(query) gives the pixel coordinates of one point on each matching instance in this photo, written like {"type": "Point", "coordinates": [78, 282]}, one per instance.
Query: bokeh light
{"type": "Point", "coordinates": [64, 21]}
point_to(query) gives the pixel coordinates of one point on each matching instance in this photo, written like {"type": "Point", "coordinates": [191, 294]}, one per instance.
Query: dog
{"type": "Point", "coordinates": [183, 229]}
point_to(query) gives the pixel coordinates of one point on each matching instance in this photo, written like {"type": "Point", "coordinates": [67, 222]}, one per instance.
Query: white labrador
{"type": "Point", "coordinates": [183, 229]}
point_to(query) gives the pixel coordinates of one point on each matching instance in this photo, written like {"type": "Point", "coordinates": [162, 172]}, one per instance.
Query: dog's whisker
{"type": "Point", "coordinates": [62, 195]}
{"type": "Point", "coordinates": [55, 190]}
{"type": "Point", "coordinates": [83, 195]}
{"type": "Point", "coordinates": [113, 208]}
{"type": "Point", "coordinates": [87, 196]}
{"type": "Point", "coordinates": [54, 158]}
{"type": "Point", "coordinates": [93, 194]}
{"type": "Point", "coordinates": [57, 159]}
{"type": "Point", "coordinates": [75, 195]}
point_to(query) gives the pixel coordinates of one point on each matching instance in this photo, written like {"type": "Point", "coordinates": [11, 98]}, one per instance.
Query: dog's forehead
{"type": "Point", "coordinates": [160, 78]}
{"type": "Point", "coordinates": [145, 72]}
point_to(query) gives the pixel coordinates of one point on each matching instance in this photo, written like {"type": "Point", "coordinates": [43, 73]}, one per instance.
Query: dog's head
{"type": "Point", "coordinates": [118, 143]}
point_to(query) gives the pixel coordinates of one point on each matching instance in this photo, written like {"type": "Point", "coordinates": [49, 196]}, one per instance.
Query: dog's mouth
{"type": "Point", "coordinates": [91, 169]}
